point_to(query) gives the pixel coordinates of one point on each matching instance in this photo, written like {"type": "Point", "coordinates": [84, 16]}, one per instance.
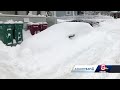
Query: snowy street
{"type": "Point", "coordinates": [51, 54]}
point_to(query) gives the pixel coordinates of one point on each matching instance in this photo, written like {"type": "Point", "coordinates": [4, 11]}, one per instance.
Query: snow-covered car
{"type": "Point", "coordinates": [92, 23]}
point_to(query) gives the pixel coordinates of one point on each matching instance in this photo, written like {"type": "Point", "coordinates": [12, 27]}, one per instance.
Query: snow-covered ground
{"type": "Point", "coordinates": [51, 54]}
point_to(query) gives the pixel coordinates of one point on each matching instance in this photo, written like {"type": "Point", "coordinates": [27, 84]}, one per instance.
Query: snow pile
{"type": "Point", "coordinates": [19, 22]}
{"type": "Point", "coordinates": [51, 54]}
{"type": "Point", "coordinates": [9, 22]}
{"type": "Point", "coordinates": [110, 24]}
{"type": "Point", "coordinates": [42, 54]}
{"type": "Point", "coordinates": [26, 34]}
{"type": "Point", "coordinates": [56, 34]}
{"type": "Point", "coordinates": [40, 51]}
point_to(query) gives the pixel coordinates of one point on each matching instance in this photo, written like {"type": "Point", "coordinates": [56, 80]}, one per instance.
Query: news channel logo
{"type": "Point", "coordinates": [92, 68]}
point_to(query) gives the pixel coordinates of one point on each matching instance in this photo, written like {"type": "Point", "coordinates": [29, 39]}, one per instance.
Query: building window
{"type": "Point", "coordinates": [79, 12]}
{"type": "Point", "coordinates": [16, 13]}
{"type": "Point", "coordinates": [68, 12]}
{"type": "Point", "coordinates": [38, 12]}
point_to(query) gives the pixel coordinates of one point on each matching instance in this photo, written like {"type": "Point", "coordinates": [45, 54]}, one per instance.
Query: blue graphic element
{"type": "Point", "coordinates": [106, 69]}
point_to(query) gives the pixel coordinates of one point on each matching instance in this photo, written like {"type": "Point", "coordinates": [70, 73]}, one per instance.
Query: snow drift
{"type": "Point", "coordinates": [56, 34]}
{"type": "Point", "coordinates": [42, 55]}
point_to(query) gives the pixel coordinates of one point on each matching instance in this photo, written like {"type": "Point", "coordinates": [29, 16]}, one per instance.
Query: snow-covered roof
{"type": "Point", "coordinates": [31, 23]}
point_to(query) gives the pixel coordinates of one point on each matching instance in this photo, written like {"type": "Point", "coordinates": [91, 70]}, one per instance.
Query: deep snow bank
{"type": "Point", "coordinates": [55, 35]}
{"type": "Point", "coordinates": [43, 54]}
{"type": "Point", "coordinates": [51, 54]}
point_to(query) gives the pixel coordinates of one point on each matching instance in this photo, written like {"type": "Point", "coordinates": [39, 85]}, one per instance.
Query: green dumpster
{"type": "Point", "coordinates": [8, 34]}
{"type": "Point", "coordinates": [11, 33]}
{"type": "Point", "coordinates": [18, 32]}
{"type": "Point", "coordinates": [1, 32]}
